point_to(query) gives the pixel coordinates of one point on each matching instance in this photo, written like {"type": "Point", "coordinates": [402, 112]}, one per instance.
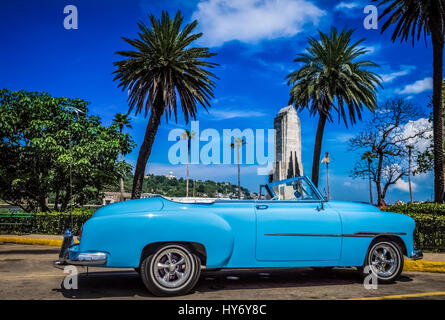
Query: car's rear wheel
{"type": "Point", "coordinates": [172, 270]}
{"type": "Point", "coordinates": [385, 261]}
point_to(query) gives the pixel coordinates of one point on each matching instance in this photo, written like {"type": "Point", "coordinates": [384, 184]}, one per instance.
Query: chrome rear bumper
{"type": "Point", "coordinates": [70, 255]}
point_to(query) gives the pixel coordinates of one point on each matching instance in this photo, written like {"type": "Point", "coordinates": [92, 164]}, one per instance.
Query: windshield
{"type": "Point", "coordinates": [296, 189]}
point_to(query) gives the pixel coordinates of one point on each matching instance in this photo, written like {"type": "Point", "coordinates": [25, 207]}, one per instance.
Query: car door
{"type": "Point", "coordinates": [297, 230]}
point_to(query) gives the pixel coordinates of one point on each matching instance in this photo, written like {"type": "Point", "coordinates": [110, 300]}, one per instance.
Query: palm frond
{"type": "Point", "coordinates": [331, 79]}
{"type": "Point", "coordinates": [163, 71]}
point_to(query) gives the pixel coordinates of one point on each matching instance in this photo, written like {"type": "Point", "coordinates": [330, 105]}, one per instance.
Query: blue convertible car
{"type": "Point", "coordinates": [168, 242]}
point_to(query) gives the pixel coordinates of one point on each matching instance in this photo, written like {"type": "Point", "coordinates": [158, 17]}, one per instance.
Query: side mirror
{"type": "Point", "coordinates": [321, 206]}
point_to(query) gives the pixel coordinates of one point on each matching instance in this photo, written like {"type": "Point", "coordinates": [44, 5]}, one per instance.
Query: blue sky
{"type": "Point", "coordinates": [256, 42]}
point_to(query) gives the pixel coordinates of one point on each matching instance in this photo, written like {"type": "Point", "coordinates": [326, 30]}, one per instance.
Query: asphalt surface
{"type": "Point", "coordinates": [26, 272]}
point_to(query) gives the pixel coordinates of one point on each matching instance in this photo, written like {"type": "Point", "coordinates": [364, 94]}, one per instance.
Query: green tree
{"type": "Point", "coordinates": [164, 68]}
{"type": "Point", "coordinates": [413, 19]}
{"type": "Point", "coordinates": [122, 121]}
{"type": "Point", "coordinates": [41, 140]}
{"type": "Point", "coordinates": [331, 79]}
{"type": "Point", "coordinates": [239, 142]}
{"type": "Point", "coordinates": [385, 137]}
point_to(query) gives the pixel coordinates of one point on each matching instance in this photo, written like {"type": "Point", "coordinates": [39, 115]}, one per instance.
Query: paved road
{"type": "Point", "coordinates": [26, 272]}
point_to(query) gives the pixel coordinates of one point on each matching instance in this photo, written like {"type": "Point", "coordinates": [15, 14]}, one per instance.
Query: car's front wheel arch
{"type": "Point", "coordinates": [393, 238]}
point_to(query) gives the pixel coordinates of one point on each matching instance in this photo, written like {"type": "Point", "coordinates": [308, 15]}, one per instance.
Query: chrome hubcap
{"type": "Point", "coordinates": [172, 268]}
{"type": "Point", "coordinates": [384, 260]}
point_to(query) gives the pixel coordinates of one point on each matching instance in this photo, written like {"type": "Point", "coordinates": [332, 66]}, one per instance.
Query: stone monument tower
{"type": "Point", "coordinates": [288, 162]}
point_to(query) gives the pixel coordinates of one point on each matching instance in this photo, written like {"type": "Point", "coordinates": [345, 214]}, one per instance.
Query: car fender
{"type": "Point", "coordinates": [124, 236]}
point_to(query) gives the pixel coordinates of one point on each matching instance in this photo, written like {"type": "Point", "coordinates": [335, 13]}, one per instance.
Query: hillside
{"type": "Point", "coordinates": [175, 187]}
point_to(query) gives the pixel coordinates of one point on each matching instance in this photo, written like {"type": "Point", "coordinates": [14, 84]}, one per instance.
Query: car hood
{"type": "Point", "coordinates": [352, 206]}
{"type": "Point", "coordinates": [131, 206]}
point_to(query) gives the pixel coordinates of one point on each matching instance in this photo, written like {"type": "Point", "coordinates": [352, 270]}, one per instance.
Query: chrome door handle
{"type": "Point", "coordinates": [262, 207]}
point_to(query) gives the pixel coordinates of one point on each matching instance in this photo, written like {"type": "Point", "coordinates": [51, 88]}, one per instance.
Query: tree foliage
{"type": "Point", "coordinates": [386, 139]}
{"type": "Point", "coordinates": [42, 141]}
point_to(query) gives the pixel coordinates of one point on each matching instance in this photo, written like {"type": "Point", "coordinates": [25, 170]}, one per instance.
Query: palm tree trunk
{"type": "Point", "coordinates": [317, 148]}
{"type": "Point", "coordinates": [122, 181]}
{"type": "Point", "coordinates": [437, 118]}
{"type": "Point", "coordinates": [380, 196]}
{"type": "Point", "coordinates": [239, 173]}
{"type": "Point", "coordinates": [145, 151]}
{"type": "Point", "coordinates": [370, 182]}
{"type": "Point", "coordinates": [409, 177]}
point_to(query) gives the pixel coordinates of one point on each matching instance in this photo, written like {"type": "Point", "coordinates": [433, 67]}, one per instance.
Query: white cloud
{"type": "Point", "coordinates": [412, 128]}
{"type": "Point", "coordinates": [417, 87]}
{"type": "Point", "coordinates": [404, 186]}
{"type": "Point", "coordinates": [370, 49]}
{"type": "Point", "coordinates": [251, 21]}
{"type": "Point", "coordinates": [341, 137]}
{"type": "Point", "coordinates": [230, 114]}
{"type": "Point", "coordinates": [346, 5]}
{"type": "Point", "coordinates": [404, 70]}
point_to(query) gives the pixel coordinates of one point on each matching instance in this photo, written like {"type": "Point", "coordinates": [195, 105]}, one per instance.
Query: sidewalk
{"type": "Point", "coordinates": [431, 262]}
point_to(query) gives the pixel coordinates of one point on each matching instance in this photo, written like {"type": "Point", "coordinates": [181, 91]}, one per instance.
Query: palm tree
{"type": "Point", "coordinates": [368, 155]}
{"type": "Point", "coordinates": [410, 152]}
{"type": "Point", "coordinates": [187, 135]}
{"type": "Point", "coordinates": [122, 120]}
{"type": "Point", "coordinates": [239, 142]}
{"type": "Point", "coordinates": [412, 19]}
{"type": "Point", "coordinates": [327, 160]}
{"type": "Point", "coordinates": [330, 73]}
{"type": "Point", "coordinates": [162, 71]}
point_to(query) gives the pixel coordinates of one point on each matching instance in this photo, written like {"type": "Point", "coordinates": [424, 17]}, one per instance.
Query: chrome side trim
{"type": "Point", "coordinates": [354, 235]}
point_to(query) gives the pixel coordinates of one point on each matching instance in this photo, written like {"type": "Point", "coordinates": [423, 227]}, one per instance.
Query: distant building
{"type": "Point", "coordinates": [170, 175]}
{"type": "Point", "coordinates": [112, 197]}
{"type": "Point", "coordinates": [288, 162]}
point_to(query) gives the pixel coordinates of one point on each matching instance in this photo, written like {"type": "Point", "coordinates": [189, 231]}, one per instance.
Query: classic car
{"type": "Point", "coordinates": [168, 242]}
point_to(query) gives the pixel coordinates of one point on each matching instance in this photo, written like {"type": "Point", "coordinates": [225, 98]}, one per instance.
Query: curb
{"type": "Point", "coordinates": [424, 266]}
{"type": "Point", "coordinates": [32, 241]}
{"type": "Point", "coordinates": [410, 265]}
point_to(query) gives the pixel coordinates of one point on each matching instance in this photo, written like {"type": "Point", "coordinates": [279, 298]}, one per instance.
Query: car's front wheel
{"type": "Point", "coordinates": [171, 270]}
{"type": "Point", "coordinates": [385, 260]}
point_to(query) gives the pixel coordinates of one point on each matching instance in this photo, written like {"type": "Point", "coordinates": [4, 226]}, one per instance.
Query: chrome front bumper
{"type": "Point", "coordinates": [70, 255]}
{"type": "Point", "coordinates": [417, 255]}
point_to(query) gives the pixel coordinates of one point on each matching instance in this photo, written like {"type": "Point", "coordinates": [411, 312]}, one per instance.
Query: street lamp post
{"type": "Point", "coordinates": [326, 160]}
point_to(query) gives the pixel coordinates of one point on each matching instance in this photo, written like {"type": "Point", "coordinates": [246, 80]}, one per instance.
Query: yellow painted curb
{"type": "Point", "coordinates": [424, 266]}
{"type": "Point", "coordinates": [33, 241]}
{"type": "Point", "coordinates": [402, 296]}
